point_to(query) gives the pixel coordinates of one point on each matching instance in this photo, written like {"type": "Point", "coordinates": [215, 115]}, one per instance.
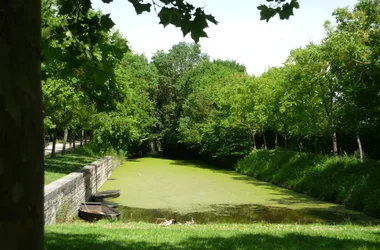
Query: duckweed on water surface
{"type": "Point", "coordinates": [154, 188]}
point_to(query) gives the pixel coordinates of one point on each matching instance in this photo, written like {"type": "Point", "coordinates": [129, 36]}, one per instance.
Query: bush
{"type": "Point", "coordinates": [345, 181]}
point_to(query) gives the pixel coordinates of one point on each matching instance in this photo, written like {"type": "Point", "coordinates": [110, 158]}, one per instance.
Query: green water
{"type": "Point", "coordinates": [153, 188]}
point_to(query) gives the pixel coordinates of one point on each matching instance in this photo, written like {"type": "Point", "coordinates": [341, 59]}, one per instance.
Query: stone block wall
{"type": "Point", "coordinates": [64, 196]}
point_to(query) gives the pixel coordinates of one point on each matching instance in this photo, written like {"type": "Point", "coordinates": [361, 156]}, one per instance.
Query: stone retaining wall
{"type": "Point", "coordinates": [64, 195]}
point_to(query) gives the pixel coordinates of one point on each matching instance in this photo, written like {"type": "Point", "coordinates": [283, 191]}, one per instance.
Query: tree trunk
{"type": "Point", "coordinates": [275, 140]}
{"type": "Point", "coordinates": [81, 137]}
{"type": "Point", "coordinates": [285, 142]}
{"type": "Point", "coordinates": [21, 126]}
{"type": "Point", "coordinates": [153, 147]}
{"type": "Point", "coordinates": [360, 147]}
{"type": "Point", "coordinates": [301, 144]}
{"type": "Point", "coordinates": [316, 145]}
{"type": "Point", "coordinates": [254, 141]}
{"type": "Point", "coordinates": [73, 138]}
{"type": "Point", "coordinates": [159, 146]}
{"type": "Point", "coordinates": [335, 145]}
{"type": "Point", "coordinates": [52, 155]}
{"type": "Point", "coordinates": [65, 133]}
{"type": "Point", "coordinates": [265, 142]}
{"type": "Point", "coordinates": [85, 137]}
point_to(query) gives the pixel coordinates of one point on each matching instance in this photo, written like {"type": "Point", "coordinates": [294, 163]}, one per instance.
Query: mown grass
{"type": "Point", "coordinates": [344, 181]}
{"type": "Point", "coordinates": [211, 236]}
{"type": "Point", "coordinates": [62, 165]}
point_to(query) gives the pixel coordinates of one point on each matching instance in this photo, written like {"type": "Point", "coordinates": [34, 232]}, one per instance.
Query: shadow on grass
{"type": "Point", "coordinates": [71, 161]}
{"type": "Point", "coordinates": [58, 241]}
{"type": "Point", "coordinates": [67, 163]}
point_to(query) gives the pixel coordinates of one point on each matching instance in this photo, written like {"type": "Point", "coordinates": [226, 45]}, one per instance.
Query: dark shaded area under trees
{"type": "Point", "coordinates": [243, 241]}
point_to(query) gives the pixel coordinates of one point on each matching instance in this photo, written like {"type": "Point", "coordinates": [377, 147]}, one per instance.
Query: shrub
{"type": "Point", "coordinates": [345, 181]}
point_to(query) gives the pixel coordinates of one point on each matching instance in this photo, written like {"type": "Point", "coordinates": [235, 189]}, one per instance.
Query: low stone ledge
{"type": "Point", "coordinates": [75, 188]}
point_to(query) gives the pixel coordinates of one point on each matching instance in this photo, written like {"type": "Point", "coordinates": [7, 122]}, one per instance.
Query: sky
{"type": "Point", "coordinates": [239, 36]}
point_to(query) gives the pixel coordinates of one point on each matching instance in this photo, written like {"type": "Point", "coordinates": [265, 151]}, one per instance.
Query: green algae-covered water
{"type": "Point", "coordinates": [153, 189]}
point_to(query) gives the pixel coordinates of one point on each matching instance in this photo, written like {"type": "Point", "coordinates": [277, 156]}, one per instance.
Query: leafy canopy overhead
{"type": "Point", "coordinates": [190, 19]}
{"type": "Point", "coordinates": [281, 7]}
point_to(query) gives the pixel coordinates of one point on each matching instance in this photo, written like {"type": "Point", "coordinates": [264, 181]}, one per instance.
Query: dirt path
{"type": "Point", "coordinates": [59, 147]}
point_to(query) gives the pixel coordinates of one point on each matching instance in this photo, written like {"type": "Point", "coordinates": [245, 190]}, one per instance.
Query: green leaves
{"type": "Point", "coordinates": [266, 13]}
{"type": "Point", "coordinates": [100, 76]}
{"type": "Point", "coordinates": [140, 7]}
{"type": "Point", "coordinates": [66, 6]}
{"type": "Point", "coordinates": [106, 22]}
{"type": "Point", "coordinates": [285, 10]}
{"type": "Point", "coordinates": [183, 16]}
{"type": "Point", "coordinates": [170, 16]}
{"type": "Point", "coordinates": [127, 125]}
{"type": "Point", "coordinates": [206, 122]}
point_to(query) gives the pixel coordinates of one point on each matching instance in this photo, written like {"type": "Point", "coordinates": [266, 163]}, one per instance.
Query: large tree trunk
{"type": "Point", "coordinates": [73, 138]}
{"type": "Point", "coordinates": [21, 127]}
{"type": "Point", "coordinates": [153, 147]}
{"type": "Point", "coordinates": [265, 142]}
{"type": "Point", "coordinates": [275, 140]}
{"type": "Point", "coordinates": [285, 142]}
{"type": "Point", "coordinates": [65, 133]}
{"type": "Point", "coordinates": [81, 137]}
{"type": "Point", "coordinates": [159, 145]}
{"type": "Point", "coordinates": [316, 150]}
{"type": "Point", "coordinates": [52, 155]}
{"type": "Point", "coordinates": [254, 141]}
{"type": "Point", "coordinates": [335, 145]}
{"type": "Point", "coordinates": [360, 147]}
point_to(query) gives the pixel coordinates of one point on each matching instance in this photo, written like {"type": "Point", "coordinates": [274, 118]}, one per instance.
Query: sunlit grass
{"type": "Point", "coordinates": [62, 165]}
{"type": "Point", "coordinates": [212, 236]}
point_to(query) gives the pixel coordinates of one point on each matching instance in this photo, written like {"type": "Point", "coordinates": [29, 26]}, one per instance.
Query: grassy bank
{"type": "Point", "coordinates": [345, 181]}
{"type": "Point", "coordinates": [62, 165]}
{"type": "Point", "coordinates": [212, 236]}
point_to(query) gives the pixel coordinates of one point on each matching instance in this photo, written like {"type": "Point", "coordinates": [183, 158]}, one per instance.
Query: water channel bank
{"type": "Point", "coordinates": [63, 197]}
{"type": "Point", "coordinates": [153, 188]}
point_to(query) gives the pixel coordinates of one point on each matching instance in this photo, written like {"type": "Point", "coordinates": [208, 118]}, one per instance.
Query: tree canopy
{"type": "Point", "coordinates": [214, 108]}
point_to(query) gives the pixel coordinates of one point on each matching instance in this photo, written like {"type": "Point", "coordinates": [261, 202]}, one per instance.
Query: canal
{"type": "Point", "coordinates": [153, 189]}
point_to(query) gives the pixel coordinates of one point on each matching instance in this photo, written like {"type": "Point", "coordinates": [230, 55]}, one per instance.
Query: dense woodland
{"type": "Point", "coordinates": [325, 98]}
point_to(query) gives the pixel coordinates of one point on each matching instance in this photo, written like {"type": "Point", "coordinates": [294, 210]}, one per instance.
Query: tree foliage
{"type": "Point", "coordinates": [324, 93]}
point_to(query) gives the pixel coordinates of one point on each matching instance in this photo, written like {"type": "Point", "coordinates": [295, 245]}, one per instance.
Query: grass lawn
{"type": "Point", "coordinates": [102, 235]}
{"type": "Point", "coordinates": [62, 165]}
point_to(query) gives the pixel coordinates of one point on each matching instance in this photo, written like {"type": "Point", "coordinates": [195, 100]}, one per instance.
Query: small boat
{"type": "Point", "coordinates": [94, 211]}
{"type": "Point", "coordinates": [110, 204]}
{"type": "Point", "coordinates": [100, 196]}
